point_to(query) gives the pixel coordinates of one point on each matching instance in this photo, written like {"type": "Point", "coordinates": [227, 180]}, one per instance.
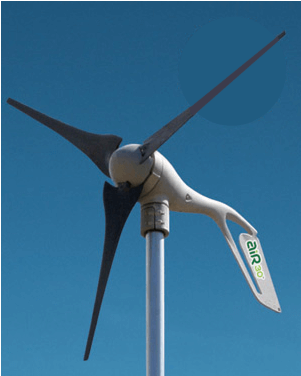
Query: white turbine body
{"type": "Point", "coordinates": [141, 174]}
{"type": "Point", "coordinates": [165, 186]}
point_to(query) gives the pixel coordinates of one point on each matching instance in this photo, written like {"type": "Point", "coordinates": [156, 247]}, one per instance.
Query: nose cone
{"type": "Point", "coordinates": [124, 165]}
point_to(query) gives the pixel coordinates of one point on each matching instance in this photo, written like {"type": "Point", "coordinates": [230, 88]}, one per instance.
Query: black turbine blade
{"type": "Point", "coordinates": [118, 205]}
{"type": "Point", "coordinates": [98, 148]}
{"type": "Point", "coordinates": [162, 135]}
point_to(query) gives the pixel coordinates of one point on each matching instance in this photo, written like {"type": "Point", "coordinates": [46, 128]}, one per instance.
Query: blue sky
{"type": "Point", "coordinates": [114, 68]}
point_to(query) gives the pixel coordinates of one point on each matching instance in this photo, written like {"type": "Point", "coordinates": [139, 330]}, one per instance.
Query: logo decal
{"type": "Point", "coordinates": [255, 259]}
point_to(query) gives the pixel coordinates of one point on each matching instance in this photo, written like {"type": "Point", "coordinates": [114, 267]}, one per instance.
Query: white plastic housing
{"type": "Point", "coordinates": [165, 186]}
{"type": "Point", "coordinates": [124, 166]}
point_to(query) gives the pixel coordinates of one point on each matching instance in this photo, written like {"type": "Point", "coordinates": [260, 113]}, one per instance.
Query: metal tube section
{"type": "Point", "coordinates": [155, 354]}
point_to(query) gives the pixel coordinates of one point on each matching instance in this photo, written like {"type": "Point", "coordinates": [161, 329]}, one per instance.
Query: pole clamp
{"type": "Point", "coordinates": [155, 217]}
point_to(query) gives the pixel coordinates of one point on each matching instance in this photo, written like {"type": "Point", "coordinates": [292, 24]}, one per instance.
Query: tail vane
{"type": "Point", "coordinates": [253, 253]}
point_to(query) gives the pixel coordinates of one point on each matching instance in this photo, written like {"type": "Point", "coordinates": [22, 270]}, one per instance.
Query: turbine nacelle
{"type": "Point", "coordinates": [125, 166]}
{"type": "Point", "coordinates": [165, 185]}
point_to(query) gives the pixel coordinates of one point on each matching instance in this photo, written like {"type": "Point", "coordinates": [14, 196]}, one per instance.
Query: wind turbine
{"type": "Point", "coordinates": [141, 174]}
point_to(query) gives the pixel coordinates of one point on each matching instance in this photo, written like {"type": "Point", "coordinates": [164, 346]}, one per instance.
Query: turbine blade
{"type": "Point", "coordinates": [162, 135]}
{"type": "Point", "coordinates": [98, 148]}
{"type": "Point", "coordinates": [118, 205]}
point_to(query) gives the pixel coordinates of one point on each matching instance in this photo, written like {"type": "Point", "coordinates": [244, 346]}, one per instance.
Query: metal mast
{"type": "Point", "coordinates": [155, 227]}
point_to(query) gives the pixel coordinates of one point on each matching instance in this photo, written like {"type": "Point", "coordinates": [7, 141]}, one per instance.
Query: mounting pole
{"type": "Point", "coordinates": [155, 227]}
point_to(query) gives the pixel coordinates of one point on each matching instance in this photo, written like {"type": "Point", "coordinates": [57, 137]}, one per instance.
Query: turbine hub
{"type": "Point", "coordinates": [124, 166]}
